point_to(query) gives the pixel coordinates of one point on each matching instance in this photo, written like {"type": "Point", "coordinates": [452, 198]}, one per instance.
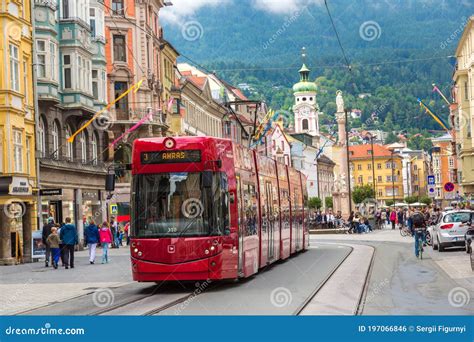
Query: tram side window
{"type": "Point", "coordinates": [250, 208]}
{"type": "Point", "coordinates": [263, 204]}
{"type": "Point", "coordinates": [285, 208]}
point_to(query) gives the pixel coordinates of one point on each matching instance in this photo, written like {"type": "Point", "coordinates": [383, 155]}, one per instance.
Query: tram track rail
{"type": "Point", "coordinates": [313, 294]}
{"type": "Point", "coordinates": [361, 297]}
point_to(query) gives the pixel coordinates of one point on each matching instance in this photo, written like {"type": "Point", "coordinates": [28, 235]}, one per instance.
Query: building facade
{"type": "Point", "coordinates": [71, 87]}
{"type": "Point", "coordinates": [444, 166]}
{"type": "Point", "coordinates": [387, 167]}
{"type": "Point", "coordinates": [134, 40]}
{"type": "Point", "coordinates": [463, 78]}
{"type": "Point", "coordinates": [18, 178]}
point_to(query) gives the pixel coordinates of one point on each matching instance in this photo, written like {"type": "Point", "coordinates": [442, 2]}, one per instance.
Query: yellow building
{"type": "Point", "coordinates": [463, 78]}
{"type": "Point", "coordinates": [17, 134]}
{"type": "Point", "coordinates": [363, 169]}
{"type": "Point", "coordinates": [170, 93]}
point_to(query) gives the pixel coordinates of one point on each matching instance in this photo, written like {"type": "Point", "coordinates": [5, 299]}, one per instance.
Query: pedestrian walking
{"type": "Point", "coordinates": [44, 236]}
{"type": "Point", "coordinates": [70, 239]}
{"type": "Point", "coordinates": [126, 229]}
{"type": "Point", "coordinates": [114, 231]}
{"type": "Point", "coordinates": [393, 218]}
{"type": "Point", "coordinates": [53, 243]}
{"type": "Point", "coordinates": [61, 245]}
{"type": "Point", "coordinates": [92, 238]}
{"type": "Point", "coordinates": [105, 239]}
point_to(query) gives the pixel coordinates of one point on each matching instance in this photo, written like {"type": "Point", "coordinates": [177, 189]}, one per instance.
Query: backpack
{"type": "Point", "coordinates": [418, 220]}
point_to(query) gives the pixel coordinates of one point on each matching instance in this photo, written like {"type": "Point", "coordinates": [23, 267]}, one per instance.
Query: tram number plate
{"type": "Point", "coordinates": [165, 157]}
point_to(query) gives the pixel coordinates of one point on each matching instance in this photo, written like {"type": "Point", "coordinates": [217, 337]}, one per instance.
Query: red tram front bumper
{"type": "Point", "coordinates": [203, 269]}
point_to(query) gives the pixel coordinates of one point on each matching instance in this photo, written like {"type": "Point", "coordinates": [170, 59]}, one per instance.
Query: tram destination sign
{"type": "Point", "coordinates": [166, 157]}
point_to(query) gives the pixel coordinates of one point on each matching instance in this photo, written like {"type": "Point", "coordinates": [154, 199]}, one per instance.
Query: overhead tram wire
{"type": "Point", "coordinates": [337, 35]}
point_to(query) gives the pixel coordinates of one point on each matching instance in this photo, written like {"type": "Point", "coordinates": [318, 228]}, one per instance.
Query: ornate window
{"type": "Point", "coordinates": [41, 138]}
{"type": "Point", "coordinates": [70, 146]}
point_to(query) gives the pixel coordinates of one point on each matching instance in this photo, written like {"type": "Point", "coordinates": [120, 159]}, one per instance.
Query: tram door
{"type": "Point", "coordinates": [297, 220]}
{"type": "Point", "coordinates": [242, 224]}
{"type": "Point", "coordinates": [270, 218]}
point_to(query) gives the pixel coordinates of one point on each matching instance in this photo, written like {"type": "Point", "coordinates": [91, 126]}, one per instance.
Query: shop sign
{"type": "Point", "coordinates": [38, 248]}
{"type": "Point", "coordinates": [51, 192]}
{"type": "Point", "coordinates": [19, 186]}
{"type": "Point", "coordinates": [90, 195]}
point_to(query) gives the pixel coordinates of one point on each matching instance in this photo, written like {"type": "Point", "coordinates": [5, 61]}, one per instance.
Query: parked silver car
{"type": "Point", "coordinates": [451, 229]}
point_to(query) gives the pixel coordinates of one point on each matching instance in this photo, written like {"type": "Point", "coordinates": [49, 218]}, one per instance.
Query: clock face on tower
{"type": "Point", "coordinates": [305, 111]}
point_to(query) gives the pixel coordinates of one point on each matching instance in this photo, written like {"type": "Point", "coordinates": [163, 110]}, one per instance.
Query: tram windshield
{"type": "Point", "coordinates": [180, 204]}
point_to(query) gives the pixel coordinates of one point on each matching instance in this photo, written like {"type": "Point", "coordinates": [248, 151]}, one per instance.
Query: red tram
{"type": "Point", "coordinates": [206, 208]}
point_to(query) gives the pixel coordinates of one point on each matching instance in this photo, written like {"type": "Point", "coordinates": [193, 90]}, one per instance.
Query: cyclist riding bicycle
{"type": "Point", "coordinates": [419, 227]}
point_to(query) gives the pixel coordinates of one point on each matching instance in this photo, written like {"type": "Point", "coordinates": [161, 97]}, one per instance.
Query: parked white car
{"type": "Point", "coordinates": [451, 229]}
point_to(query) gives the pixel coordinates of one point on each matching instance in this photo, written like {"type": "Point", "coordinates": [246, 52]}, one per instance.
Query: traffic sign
{"type": "Point", "coordinates": [449, 195]}
{"type": "Point", "coordinates": [431, 180]}
{"type": "Point", "coordinates": [431, 191]}
{"type": "Point", "coordinates": [448, 187]}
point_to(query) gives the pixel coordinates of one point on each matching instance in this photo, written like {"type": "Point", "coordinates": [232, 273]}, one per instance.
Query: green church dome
{"type": "Point", "coordinates": [304, 85]}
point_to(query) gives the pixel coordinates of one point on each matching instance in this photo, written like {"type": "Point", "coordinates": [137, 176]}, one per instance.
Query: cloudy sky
{"type": "Point", "coordinates": [183, 9]}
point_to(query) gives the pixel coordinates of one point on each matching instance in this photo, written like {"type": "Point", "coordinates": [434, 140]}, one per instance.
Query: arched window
{"type": "Point", "coordinates": [70, 146]}
{"type": "Point", "coordinates": [94, 144]}
{"type": "Point", "coordinates": [41, 138]}
{"type": "Point", "coordinates": [83, 143]}
{"type": "Point", "coordinates": [304, 123]}
{"type": "Point", "coordinates": [55, 135]}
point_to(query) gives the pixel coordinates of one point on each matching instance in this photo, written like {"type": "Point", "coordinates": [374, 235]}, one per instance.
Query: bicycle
{"type": "Point", "coordinates": [420, 241]}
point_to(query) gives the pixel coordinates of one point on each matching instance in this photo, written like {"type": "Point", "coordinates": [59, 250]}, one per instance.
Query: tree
{"type": "Point", "coordinates": [426, 200]}
{"type": "Point", "coordinates": [410, 199]}
{"type": "Point", "coordinates": [391, 138]}
{"type": "Point", "coordinates": [328, 202]}
{"type": "Point", "coordinates": [361, 193]}
{"type": "Point", "coordinates": [315, 203]}
{"type": "Point", "coordinates": [389, 203]}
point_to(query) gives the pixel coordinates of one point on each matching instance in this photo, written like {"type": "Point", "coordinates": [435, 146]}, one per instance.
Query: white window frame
{"type": "Point", "coordinates": [53, 52]}
{"type": "Point", "coordinates": [14, 52]}
{"type": "Point", "coordinates": [83, 143]}
{"type": "Point", "coordinates": [28, 154]}
{"type": "Point", "coordinates": [69, 146]}
{"type": "Point", "coordinates": [68, 67]}
{"type": "Point", "coordinates": [17, 150]}
{"type": "Point", "coordinates": [25, 82]}
{"type": "Point", "coordinates": [55, 138]}
{"type": "Point", "coordinates": [94, 144]}
{"type": "Point", "coordinates": [41, 138]}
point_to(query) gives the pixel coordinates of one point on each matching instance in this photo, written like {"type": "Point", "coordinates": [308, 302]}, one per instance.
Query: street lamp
{"type": "Point", "coordinates": [372, 137]}
{"type": "Point", "coordinates": [393, 178]}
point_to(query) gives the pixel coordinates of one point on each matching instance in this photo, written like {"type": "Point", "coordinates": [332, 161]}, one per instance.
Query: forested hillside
{"type": "Point", "coordinates": [404, 48]}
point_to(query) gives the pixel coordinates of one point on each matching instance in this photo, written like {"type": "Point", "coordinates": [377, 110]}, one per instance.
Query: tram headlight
{"type": "Point", "coordinates": [139, 254]}
{"type": "Point", "coordinates": [212, 248]}
{"type": "Point", "coordinates": [206, 251]}
{"type": "Point", "coordinates": [135, 250]}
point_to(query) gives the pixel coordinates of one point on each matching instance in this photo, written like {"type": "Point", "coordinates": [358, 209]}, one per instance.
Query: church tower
{"type": "Point", "coordinates": [305, 108]}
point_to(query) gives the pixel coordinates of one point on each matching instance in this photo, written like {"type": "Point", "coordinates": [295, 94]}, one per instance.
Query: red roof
{"type": "Point", "coordinates": [363, 151]}
{"type": "Point", "coordinates": [239, 94]}
{"type": "Point", "coordinates": [198, 81]}
{"type": "Point", "coordinates": [186, 73]}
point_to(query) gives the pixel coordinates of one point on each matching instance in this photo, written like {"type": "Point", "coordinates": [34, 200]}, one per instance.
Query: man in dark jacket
{"type": "Point", "coordinates": [46, 231]}
{"type": "Point", "coordinates": [69, 239]}
{"type": "Point", "coordinates": [91, 234]}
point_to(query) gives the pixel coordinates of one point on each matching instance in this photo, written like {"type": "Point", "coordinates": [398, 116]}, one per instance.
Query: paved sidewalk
{"type": "Point", "coordinates": [27, 286]}
{"type": "Point", "coordinates": [387, 235]}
